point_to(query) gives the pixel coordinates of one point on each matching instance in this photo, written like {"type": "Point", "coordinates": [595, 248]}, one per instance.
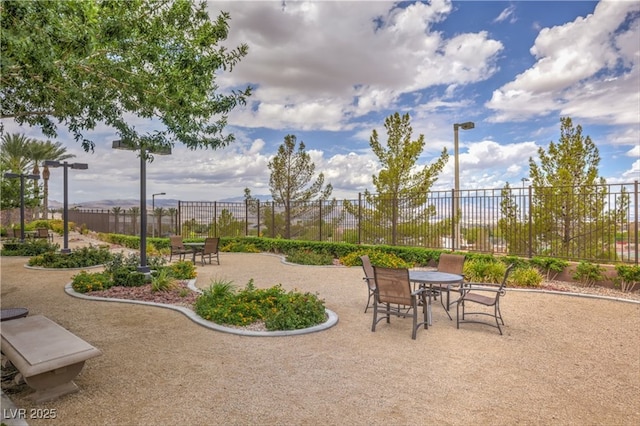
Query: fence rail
{"type": "Point", "coordinates": [598, 223]}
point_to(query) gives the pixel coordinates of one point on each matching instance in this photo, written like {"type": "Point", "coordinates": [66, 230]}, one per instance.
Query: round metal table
{"type": "Point", "coordinates": [13, 313]}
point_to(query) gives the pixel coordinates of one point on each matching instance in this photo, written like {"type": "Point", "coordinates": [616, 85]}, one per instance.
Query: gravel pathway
{"type": "Point", "coordinates": [562, 360]}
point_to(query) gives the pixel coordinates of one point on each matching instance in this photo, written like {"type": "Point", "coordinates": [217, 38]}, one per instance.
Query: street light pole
{"type": "Point", "coordinates": [153, 210]}
{"type": "Point", "coordinates": [22, 177]}
{"type": "Point", "coordinates": [468, 125]}
{"type": "Point", "coordinates": [65, 208]}
{"type": "Point", "coordinates": [131, 146]}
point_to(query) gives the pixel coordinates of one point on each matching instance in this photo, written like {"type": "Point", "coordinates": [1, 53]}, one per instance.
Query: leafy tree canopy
{"type": "Point", "coordinates": [399, 176]}
{"type": "Point", "coordinates": [291, 173]}
{"type": "Point", "coordinates": [79, 63]}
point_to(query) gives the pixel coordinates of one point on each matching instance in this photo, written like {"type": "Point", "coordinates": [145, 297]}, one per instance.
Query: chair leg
{"type": "Point", "coordinates": [368, 301]}
{"type": "Point", "coordinates": [496, 309]}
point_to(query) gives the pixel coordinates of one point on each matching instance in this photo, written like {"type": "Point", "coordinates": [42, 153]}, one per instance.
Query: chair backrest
{"type": "Point", "coordinates": [43, 232]}
{"type": "Point", "coordinates": [506, 276]}
{"type": "Point", "coordinates": [392, 285]}
{"type": "Point", "coordinates": [368, 271]}
{"type": "Point", "coordinates": [16, 233]}
{"type": "Point", "coordinates": [211, 245]}
{"type": "Point", "coordinates": [451, 263]}
{"type": "Point", "coordinates": [176, 242]}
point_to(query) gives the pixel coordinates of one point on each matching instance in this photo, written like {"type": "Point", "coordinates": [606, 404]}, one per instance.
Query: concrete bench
{"type": "Point", "coordinates": [47, 355]}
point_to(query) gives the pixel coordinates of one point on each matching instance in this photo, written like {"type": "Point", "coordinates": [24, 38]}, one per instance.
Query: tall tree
{"type": "Point", "coordinates": [78, 63]}
{"type": "Point", "coordinates": [402, 185]}
{"type": "Point", "coordinates": [568, 205]}
{"type": "Point", "coordinates": [291, 173]}
{"type": "Point", "coordinates": [116, 213]}
{"type": "Point", "coordinates": [13, 153]}
{"type": "Point", "coordinates": [14, 159]}
{"type": "Point", "coordinates": [38, 152]}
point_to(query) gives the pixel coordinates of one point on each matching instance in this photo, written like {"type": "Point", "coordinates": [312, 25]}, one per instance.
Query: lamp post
{"type": "Point", "coordinates": [153, 210]}
{"type": "Point", "coordinates": [467, 125]}
{"type": "Point", "coordinates": [144, 151]}
{"type": "Point", "coordinates": [22, 177]}
{"type": "Point", "coordinates": [65, 208]}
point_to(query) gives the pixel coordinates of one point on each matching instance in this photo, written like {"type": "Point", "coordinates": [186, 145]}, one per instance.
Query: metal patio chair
{"type": "Point", "coordinates": [484, 294]}
{"type": "Point", "coordinates": [394, 288]}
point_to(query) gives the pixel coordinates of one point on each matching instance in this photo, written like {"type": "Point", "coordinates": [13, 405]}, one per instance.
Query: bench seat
{"type": "Point", "coordinates": [47, 355]}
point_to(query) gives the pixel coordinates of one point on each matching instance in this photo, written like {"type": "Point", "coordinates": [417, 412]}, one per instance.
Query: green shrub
{"type": "Point", "coordinates": [183, 270]}
{"type": "Point", "coordinates": [163, 281]}
{"type": "Point", "coordinates": [14, 247]}
{"type": "Point", "coordinates": [482, 271]}
{"type": "Point", "coordinates": [78, 258]}
{"type": "Point", "coordinates": [239, 247]}
{"type": "Point", "coordinates": [294, 311]}
{"type": "Point", "coordinates": [588, 273]}
{"type": "Point", "coordinates": [119, 261]}
{"type": "Point", "coordinates": [278, 309]}
{"type": "Point", "coordinates": [85, 282]}
{"type": "Point", "coordinates": [628, 277]}
{"type": "Point", "coordinates": [549, 266]}
{"type": "Point", "coordinates": [377, 258]}
{"type": "Point", "coordinates": [525, 277]}
{"type": "Point", "coordinates": [309, 258]}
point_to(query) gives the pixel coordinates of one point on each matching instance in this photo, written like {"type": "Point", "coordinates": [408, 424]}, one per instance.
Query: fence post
{"type": "Point", "coordinates": [258, 201]}
{"type": "Point", "coordinates": [359, 217]}
{"type": "Point", "coordinates": [273, 219]}
{"type": "Point", "coordinates": [635, 214]}
{"type": "Point", "coordinates": [453, 220]}
{"type": "Point", "coordinates": [530, 250]}
{"type": "Point", "coordinates": [320, 219]}
{"type": "Point", "coordinates": [246, 217]}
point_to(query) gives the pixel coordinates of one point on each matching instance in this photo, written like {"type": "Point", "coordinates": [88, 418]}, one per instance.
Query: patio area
{"type": "Point", "coordinates": [562, 359]}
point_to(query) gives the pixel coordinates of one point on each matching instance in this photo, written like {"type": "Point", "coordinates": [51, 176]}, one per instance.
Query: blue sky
{"type": "Point", "coordinates": [331, 72]}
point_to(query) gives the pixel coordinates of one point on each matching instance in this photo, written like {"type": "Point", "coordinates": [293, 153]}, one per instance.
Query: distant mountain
{"type": "Point", "coordinates": [240, 198]}
{"type": "Point", "coordinates": [109, 204]}
{"type": "Point", "coordinates": [128, 203]}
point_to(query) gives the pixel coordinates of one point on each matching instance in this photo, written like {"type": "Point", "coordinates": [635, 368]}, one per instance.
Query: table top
{"type": "Point", "coordinates": [434, 277]}
{"type": "Point", "coordinates": [192, 244]}
{"type": "Point", "coordinates": [13, 313]}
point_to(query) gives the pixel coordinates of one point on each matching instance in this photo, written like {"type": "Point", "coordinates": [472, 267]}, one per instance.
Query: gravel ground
{"type": "Point", "coordinates": [561, 360]}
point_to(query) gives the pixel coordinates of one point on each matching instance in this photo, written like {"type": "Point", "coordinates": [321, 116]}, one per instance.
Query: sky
{"type": "Point", "coordinates": [330, 72]}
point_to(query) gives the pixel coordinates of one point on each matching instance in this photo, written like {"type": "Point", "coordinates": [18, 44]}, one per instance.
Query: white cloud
{"type": "Point", "coordinates": [507, 14]}
{"type": "Point", "coordinates": [634, 152]}
{"type": "Point", "coordinates": [319, 65]}
{"type": "Point", "coordinates": [571, 62]}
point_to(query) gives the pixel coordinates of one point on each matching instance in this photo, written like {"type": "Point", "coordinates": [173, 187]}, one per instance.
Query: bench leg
{"type": "Point", "coordinates": [54, 384]}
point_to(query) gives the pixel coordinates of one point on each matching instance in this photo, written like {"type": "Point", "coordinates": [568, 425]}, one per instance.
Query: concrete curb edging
{"type": "Point", "coordinates": [568, 293]}
{"type": "Point", "coordinates": [330, 322]}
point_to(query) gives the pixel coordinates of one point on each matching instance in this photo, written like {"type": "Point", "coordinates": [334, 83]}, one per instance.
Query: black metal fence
{"type": "Point", "coordinates": [598, 223]}
{"type": "Point", "coordinates": [125, 222]}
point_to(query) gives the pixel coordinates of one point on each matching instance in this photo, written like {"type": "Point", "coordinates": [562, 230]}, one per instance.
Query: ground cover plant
{"type": "Point", "coordinates": [78, 258]}
{"type": "Point", "coordinates": [121, 271]}
{"type": "Point", "coordinates": [13, 247]}
{"type": "Point", "coordinates": [307, 257]}
{"type": "Point", "coordinates": [277, 308]}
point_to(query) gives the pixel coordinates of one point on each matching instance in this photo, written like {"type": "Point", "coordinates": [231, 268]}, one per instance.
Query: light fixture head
{"type": "Point", "coordinates": [123, 144]}
{"type": "Point", "coordinates": [467, 125]}
{"type": "Point", "coordinates": [79, 166]}
{"type": "Point", "coordinates": [11, 175]}
{"type": "Point", "coordinates": [52, 163]}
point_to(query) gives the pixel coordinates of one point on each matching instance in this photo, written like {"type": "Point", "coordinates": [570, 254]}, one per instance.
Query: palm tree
{"type": "Point", "coordinates": [158, 213]}
{"type": "Point", "coordinates": [40, 151]}
{"type": "Point", "coordinates": [171, 211]}
{"type": "Point", "coordinates": [13, 153]}
{"type": "Point", "coordinates": [135, 211]}
{"type": "Point", "coordinates": [13, 159]}
{"type": "Point", "coordinates": [116, 211]}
